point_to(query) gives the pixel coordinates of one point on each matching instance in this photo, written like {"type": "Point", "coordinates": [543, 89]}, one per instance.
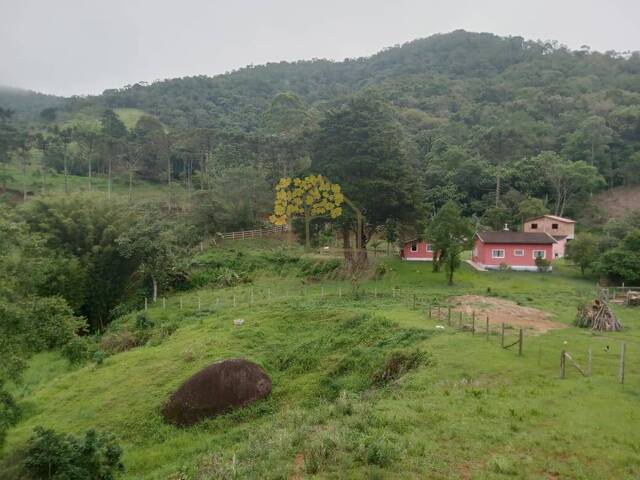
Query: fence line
{"type": "Point", "coordinates": [258, 233]}
{"type": "Point", "coordinates": [430, 306]}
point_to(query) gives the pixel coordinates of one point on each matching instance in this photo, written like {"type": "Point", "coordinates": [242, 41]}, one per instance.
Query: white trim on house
{"type": "Point", "coordinates": [494, 253]}
{"type": "Point", "coordinates": [429, 247]}
{"type": "Point", "coordinates": [543, 256]}
{"type": "Point", "coordinates": [518, 252]}
{"type": "Point", "coordinates": [515, 268]}
{"type": "Point", "coordinates": [414, 247]}
{"type": "Point", "coordinates": [418, 259]}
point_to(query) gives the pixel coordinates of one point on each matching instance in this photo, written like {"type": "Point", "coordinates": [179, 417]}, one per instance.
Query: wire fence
{"type": "Point", "coordinates": [445, 314]}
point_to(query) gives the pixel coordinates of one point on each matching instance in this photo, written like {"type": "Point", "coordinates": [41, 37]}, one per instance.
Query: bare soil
{"type": "Point", "coordinates": [505, 311]}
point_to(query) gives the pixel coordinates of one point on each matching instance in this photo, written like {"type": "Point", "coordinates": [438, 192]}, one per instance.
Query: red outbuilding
{"type": "Point", "coordinates": [517, 250]}
{"type": "Point", "coordinates": [417, 251]}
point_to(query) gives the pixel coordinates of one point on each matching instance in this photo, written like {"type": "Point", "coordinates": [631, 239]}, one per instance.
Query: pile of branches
{"type": "Point", "coordinates": [597, 315]}
{"type": "Point", "coordinates": [633, 298]}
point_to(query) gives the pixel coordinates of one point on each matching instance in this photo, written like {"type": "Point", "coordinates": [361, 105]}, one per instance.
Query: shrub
{"type": "Point", "coordinates": [380, 451]}
{"type": "Point", "coordinates": [543, 264]}
{"type": "Point", "coordinates": [52, 455]}
{"type": "Point", "coordinates": [396, 365]}
{"type": "Point", "coordinates": [121, 341]}
{"type": "Point", "coordinates": [143, 322]}
{"type": "Point", "coordinates": [9, 413]}
{"type": "Point", "coordinates": [77, 350]}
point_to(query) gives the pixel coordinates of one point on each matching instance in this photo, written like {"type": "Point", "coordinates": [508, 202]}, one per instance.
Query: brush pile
{"type": "Point", "coordinates": [597, 315]}
{"type": "Point", "coordinates": [633, 299]}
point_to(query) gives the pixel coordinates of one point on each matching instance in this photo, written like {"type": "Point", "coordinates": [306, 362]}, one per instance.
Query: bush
{"type": "Point", "coordinates": [143, 322]}
{"type": "Point", "coordinates": [52, 455]}
{"type": "Point", "coordinates": [9, 413]}
{"type": "Point", "coordinates": [380, 451]}
{"type": "Point", "coordinates": [77, 351]}
{"type": "Point", "coordinates": [543, 264]}
{"type": "Point", "coordinates": [396, 365]}
{"type": "Point", "coordinates": [122, 341]}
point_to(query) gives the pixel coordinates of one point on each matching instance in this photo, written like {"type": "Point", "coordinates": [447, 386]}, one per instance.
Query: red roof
{"type": "Point", "coordinates": [532, 238]}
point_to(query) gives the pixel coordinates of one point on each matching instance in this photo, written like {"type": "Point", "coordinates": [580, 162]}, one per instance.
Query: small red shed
{"type": "Point", "coordinates": [417, 251]}
{"type": "Point", "coordinates": [517, 250]}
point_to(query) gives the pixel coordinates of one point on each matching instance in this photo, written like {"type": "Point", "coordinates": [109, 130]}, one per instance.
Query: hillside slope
{"type": "Point", "coordinates": [619, 201]}
{"type": "Point", "coordinates": [468, 409]}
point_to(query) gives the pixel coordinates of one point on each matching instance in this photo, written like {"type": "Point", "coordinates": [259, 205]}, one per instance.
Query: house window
{"type": "Point", "coordinates": [518, 253]}
{"type": "Point", "coordinates": [534, 226]}
{"type": "Point", "coordinates": [554, 226]}
{"type": "Point", "coordinates": [497, 253]}
{"type": "Point", "coordinates": [539, 254]}
{"type": "Point", "coordinates": [414, 247]}
{"type": "Point", "coordinates": [429, 247]}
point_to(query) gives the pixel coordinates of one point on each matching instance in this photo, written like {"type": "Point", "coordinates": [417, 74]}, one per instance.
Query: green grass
{"type": "Point", "coordinates": [53, 184]}
{"type": "Point", "coordinates": [470, 410]}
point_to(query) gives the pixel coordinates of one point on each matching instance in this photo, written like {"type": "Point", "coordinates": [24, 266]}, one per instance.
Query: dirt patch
{"type": "Point", "coordinates": [504, 311]}
{"type": "Point", "coordinates": [298, 467]}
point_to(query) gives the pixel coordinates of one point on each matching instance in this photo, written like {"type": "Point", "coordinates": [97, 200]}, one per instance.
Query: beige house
{"type": "Point", "coordinates": [561, 229]}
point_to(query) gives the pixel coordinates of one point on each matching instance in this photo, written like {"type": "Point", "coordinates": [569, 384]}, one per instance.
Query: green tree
{"type": "Point", "coordinates": [360, 147]}
{"type": "Point", "coordinates": [568, 180]}
{"type": "Point", "coordinates": [583, 251]}
{"type": "Point", "coordinates": [450, 234]}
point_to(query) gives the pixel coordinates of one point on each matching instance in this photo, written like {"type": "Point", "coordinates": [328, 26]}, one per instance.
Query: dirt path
{"type": "Point", "coordinates": [505, 311]}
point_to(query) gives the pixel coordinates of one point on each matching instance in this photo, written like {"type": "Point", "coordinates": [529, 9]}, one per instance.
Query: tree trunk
{"type": "Point", "coordinates": [155, 288]}
{"type": "Point", "coordinates": [66, 185]}
{"type": "Point", "coordinates": [24, 176]}
{"type": "Point", "coordinates": [130, 183]}
{"type": "Point", "coordinates": [346, 242]}
{"type": "Point", "coordinates": [498, 179]}
{"type": "Point", "coordinates": [307, 233]}
{"type": "Point", "coordinates": [90, 172]}
{"type": "Point", "coordinates": [109, 179]}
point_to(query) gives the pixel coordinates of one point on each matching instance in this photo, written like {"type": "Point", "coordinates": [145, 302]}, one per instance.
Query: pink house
{"type": "Point", "coordinates": [417, 251]}
{"type": "Point", "coordinates": [517, 250]}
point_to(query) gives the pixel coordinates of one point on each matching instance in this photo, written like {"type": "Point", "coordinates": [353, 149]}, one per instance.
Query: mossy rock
{"type": "Point", "coordinates": [219, 388]}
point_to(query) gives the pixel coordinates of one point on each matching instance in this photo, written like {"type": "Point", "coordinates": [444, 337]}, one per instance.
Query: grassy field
{"type": "Point", "coordinates": [470, 409]}
{"type": "Point", "coordinates": [53, 184]}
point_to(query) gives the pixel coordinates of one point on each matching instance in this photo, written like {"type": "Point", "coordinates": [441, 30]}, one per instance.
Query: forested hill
{"type": "Point", "coordinates": [484, 120]}
{"type": "Point", "coordinates": [458, 73]}
{"type": "Point", "coordinates": [27, 104]}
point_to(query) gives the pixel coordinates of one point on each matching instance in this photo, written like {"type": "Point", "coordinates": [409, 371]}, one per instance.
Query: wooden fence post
{"type": "Point", "coordinates": [460, 320]}
{"type": "Point", "coordinates": [429, 311]}
{"type": "Point", "coordinates": [414, 301]}
{"type": "Point", "coordinates": [487, 328]}
{"type": "Point", "coordinates": [621, 375]}
{"type": "Point", "coordinates": [589, 363]}
{"type": "Point", "coordinates": [199, 303]}
{"type": "Point", "coordinates": [521, 336]}
{"type": "Point", "coordinates": [562, 364]}
{"type": "Point", "coordinates": [438, 312]}
{"type": "Point", "coordinates": [502, 335]}
{"type": "Point", "coordinates": [473, 323]}
{"type": "Point", "coordinates": [449, 315]}
{"type": "Point", "coordinates": [180, 303]}
{"type": "Point", "coordinates": [164, 302]}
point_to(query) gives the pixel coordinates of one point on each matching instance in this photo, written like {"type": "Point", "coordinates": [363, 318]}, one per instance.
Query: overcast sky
{"type": "Point", "coordinates": [75, 47]}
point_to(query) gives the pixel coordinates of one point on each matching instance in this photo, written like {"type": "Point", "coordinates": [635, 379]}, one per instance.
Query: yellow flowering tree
{"type": "Point", "coordinates": [310, 197]}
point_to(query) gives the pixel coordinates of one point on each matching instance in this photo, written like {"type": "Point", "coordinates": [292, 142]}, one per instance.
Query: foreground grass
{"type": "Point", "coordinates": [471, 410]}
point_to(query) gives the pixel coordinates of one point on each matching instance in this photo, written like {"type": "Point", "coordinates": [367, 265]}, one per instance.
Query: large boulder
{"type": "Point", "coordinates": [218, 388]}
